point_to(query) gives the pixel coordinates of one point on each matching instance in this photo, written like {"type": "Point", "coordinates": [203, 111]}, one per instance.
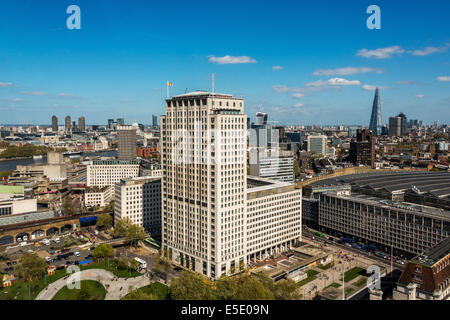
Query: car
{"type": "Point", "coordinates": [89, 256]}
{"type": "Point", "coordinates": [54, 260]}
{"type": "Point", "coordinates": [76, 254]}
{"type": "Point", "coordinates": [76, 262]}
{"type": "Point", "coordinates": [19, 239]}
{"type": "Point", "coordinates": [48, 259]}
{"type": "Point", "coordinates": [60, 267]}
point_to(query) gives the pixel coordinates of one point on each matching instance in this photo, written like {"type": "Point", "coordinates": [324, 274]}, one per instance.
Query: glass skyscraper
{"type": "Point", "coordinates": [375, 119]}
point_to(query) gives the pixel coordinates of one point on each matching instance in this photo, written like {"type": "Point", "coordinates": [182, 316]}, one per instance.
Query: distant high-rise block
{"type": "Point", "coordinates": [82, 124]}
{"type": "Point", "coordinates": [54, 124]}
{"type": "Point", "coordinates": [68, 124]}
{"type": "Point", "coordinates": [362, 151]}
{"type": "Point", "coordinates": [154, 121]}
{"type": "Point", "coordinates": [375, 118]}
{"type": "Point", "coordinates": [126, 143]}
{"type": "Point", "coordinates": [120, 121]}
{"type": "Point", "coordinates": [317, 144]}
{"type": "Point", "coordinates": [397, 125]}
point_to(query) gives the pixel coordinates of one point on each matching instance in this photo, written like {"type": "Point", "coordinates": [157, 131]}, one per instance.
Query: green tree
{"type": "Point", "coordinates": [67, 242]}
{"type": "Point", "coordinates": [104, 220]}
{"type": "Point", "coordinates": [192, 286]}
{"type": "Point", "coordinates": [67, 206]}
{"type": "Point", "coordinates": [134, 234]}
{"type": "Point", "coordinates": [226, 288]}
{"type": "Point", "coordinates": [103, 250]}
{"type": "Point", "coordinates": [286, 290]}
{"type": "Point", "coordinates": [120, 227]}
{"type": "Point", "coordinates": [31, 267]}
{"type": "Point", "coordinates": [250, 288]}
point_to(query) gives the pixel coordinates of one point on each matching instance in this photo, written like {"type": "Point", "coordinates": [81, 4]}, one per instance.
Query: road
{"type": "Point", "coordinates": [116, 288]}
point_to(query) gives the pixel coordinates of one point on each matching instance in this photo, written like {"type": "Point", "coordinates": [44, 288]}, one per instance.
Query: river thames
{"type": "Point", "coordinates": [11, 164]}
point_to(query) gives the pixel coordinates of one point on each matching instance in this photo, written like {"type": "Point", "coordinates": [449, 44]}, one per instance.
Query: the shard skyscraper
{"type": "Point", "coordinates": [375, 118]}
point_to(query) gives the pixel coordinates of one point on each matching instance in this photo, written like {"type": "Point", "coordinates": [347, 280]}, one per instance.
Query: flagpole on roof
{"type": "Point", "coordinates": [167, 84]}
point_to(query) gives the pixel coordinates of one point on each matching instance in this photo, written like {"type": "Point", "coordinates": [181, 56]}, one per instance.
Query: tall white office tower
{"type": "Point", "coordinates": [204, 182]}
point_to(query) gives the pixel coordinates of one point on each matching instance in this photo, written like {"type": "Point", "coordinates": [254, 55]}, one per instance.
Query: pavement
{"type": "Point", "coordinates": [341, 265]}
{"type": "Point", "coordinates": [116, 288]}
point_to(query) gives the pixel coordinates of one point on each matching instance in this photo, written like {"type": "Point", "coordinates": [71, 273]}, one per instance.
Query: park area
{"type": "Point", "coordinates": [89, 290]}
{"type": "Point", "coordinates": [28, 290]}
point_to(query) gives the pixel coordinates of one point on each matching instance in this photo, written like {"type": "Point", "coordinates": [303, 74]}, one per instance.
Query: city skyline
{"type": "Point", "coordinates": [302, 66]}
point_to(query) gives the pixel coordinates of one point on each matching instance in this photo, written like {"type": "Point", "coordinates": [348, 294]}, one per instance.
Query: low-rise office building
{"type": "Point", "coordinates": [102, 173]}
{"type": "Point", "coordinates": [98, 196]}
{"type": "Point", "coordinates": [139, 199]}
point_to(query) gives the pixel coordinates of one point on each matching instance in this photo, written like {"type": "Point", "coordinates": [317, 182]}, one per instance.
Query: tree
{"type": "Point", "coordinates": [226, 288]}
{"type": "Point", "coordinates": [103, 250]}
{"type": "Point", "coordinates": [134, 234]}
{"type": "Point", "coordinates": [121, 226]}
{"type": "Point", "coordinates": [67, 242]}
{"type": "Point", "coordinates": [161, 264]}
{"type": "Point", "coordinates": [104, 220]}
{"type": "Point", "coordinates": [31, 267]}
{"type": "Point", "coordinates": [250, 288]}
{"type": "Point", "coordinates": [286, 290]}
{"type": "Point", "coordinates": [192, 286]}
{"type": "Point", "coordinates": [67, 206]}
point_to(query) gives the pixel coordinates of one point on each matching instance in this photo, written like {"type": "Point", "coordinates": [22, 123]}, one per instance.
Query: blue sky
{"type": "Point", "coordinates": [303, 62]}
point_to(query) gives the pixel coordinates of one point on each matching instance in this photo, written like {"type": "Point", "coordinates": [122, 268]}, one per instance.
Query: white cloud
{"type": "Point", "coordinates": [65, 95]}
{"type": "Point", "coordinates": [12, 100]}
{"type": "Point", "coordinates": [333, 82]}
{"type": "Point", "coordinates": [427, 51]}
{"type": "Point", "coordinates": [276, 68]}
{"type": "Point", "coordinates": [369, 87]}
{"type": "Point", "coordinates": [230, 59]}
{"type": "Point", "coordinates": [33, 93]}
{"type": "Point", "coordinates": [443, 79]}
{"type": "Point", "coordinates": [6, 84]}
{"type": "Point", "coordinates": [298, 95]}
{"type": "Point", "coordinates": [283, 89]}
{"type": "Point", "coordinates": [298, 105]}
{"type": "Point", "coordinates": [381, 53]}
{"type": "Point", "coordinates": [345, 71]}
{"type": "Point", "coordinates": [420, 96]}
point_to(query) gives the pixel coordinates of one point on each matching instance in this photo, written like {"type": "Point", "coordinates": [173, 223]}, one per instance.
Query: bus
{"type": "Point", "coordinates": [142, 263]}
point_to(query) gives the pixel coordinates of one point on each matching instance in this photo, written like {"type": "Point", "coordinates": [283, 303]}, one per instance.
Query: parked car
{"type": "Point", "coordinates": [48, 259]}
{"type": "Point", "coordinates": [76, 253]}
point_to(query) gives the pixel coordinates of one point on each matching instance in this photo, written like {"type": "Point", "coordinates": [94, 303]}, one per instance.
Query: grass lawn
{"type": "Point", "coordinates": [29, 290]}
{"type": "Point", "coordinates": [21, 290]}
{"type": "Point", "coordinates": [311, 275]}
{"type": "Point", "coordinates": [157, 289]}
{"type": "Point", "coordinates": [348, 291]}
{"type": "Point", "coordinates": [352, 274]}
{"type": "Point", "coordinates": [90, 290]}
{"type": "Point", "coordinates": [361, 282]}
{"type": "Point", "coordinates": [334, 285]}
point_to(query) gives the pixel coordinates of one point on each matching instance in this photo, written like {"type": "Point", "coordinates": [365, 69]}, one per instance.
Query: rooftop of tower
{"type": "Point", "coordinates": [202, 93]}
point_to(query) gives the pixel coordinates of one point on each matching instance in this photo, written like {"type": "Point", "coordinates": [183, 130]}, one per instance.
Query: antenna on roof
{"type": "Point", "coordinates": [185, 91]}
{"type": "Point", "coordinates": [212, 80]}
